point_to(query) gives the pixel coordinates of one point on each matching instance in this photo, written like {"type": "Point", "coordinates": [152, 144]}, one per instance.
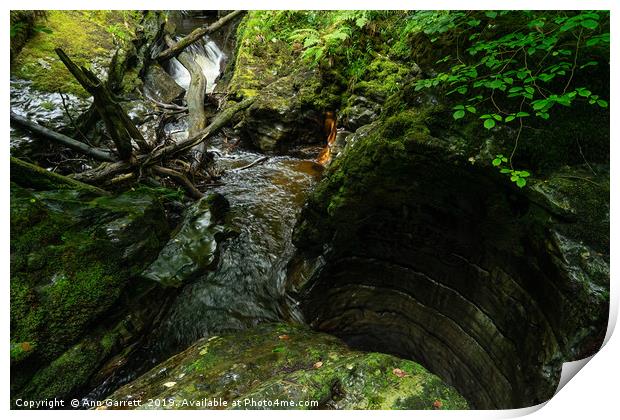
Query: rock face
{"type": "Point", "coordinates": [86, 36]}
{"type": "Point", "coordinates": [281, 118]}
{"type": "Point", "coordinates": [271, 365]}
{"type": "Point", "coordinates": [73, 256]}
{"type": "Point", "coordinates": [291, 100]}
{"type": "Point", "coordinates": [410, 247]}
{"type": "Point", "coordinates": [160, 86]}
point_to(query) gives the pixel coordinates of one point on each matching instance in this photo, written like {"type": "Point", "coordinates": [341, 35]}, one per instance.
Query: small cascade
{"type": "Point", "coordinates": [208, 56]}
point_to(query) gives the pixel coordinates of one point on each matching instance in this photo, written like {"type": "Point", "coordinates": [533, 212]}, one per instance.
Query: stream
{"type": "Point", "coordinates": [247, 286]}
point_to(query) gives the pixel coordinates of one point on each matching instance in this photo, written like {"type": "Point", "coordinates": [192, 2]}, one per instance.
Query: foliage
{"type": "Point", "coordinates": [327, 42]}
{"type": "Point", "coordinates": [513, 66]}
{"type": "Point", "coordinates": [518, 177]}
{"type": "Point", "coordinates": [17, 27]}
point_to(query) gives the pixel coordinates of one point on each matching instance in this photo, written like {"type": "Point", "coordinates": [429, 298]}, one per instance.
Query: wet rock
{"type": "Point", "coordinates": [340, 143]}
{"type": "Point", "coordinates": [282, 117]}
{"type": "Point", "coordinates": [276, 363]}
{"type": "Point", "coordinates": [160, 86]}
{"type": "Point", "coordinates": [72, 258]}
{"type": "Point", "coordinates": [408, 247]}
{"type": "Point", "coordinates": [193, 249]}
{"type": "Point", "coordinates": [360, 111]}
{"type": "Point", "coordinates": [291, 97]}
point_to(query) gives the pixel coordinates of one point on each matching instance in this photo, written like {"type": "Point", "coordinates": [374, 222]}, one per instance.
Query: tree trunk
{"type": "Point", "coordinates": [117, 123]}
{"type": "Point", "coordinates": [195, 97]}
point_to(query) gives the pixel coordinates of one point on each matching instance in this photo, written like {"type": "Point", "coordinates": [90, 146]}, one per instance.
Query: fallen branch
{"type": "Point", "coordinates": [195, 35]}
{"type": "Point", "coordinates": [33, 176]}
{"type": "Point", "coordinates": [167, 106]}
{"type": "Point", "coordinates": [62, 139]}
{"type": "Point", "coordinates": [180, 178]}
{"type": "Point", "coordinates": [118, 124]}
{"type": "Point", "coordinates": [109, 170]}
{"type": "Point", "coordinates": [256, 162]}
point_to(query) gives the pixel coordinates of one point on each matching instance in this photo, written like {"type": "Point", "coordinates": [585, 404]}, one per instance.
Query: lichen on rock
{"type": "Point", "coordinates": [268, 366]}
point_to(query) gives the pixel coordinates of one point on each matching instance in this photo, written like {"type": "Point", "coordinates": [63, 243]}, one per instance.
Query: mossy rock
{"type": "Point", "coordinates": [274, 364]}
{"type": "Point", "coordinates": [291, 97]}
{"type": "Point", "coordinates": [72, 257]}
{"type": "Point", "coordinates": [87, 36]}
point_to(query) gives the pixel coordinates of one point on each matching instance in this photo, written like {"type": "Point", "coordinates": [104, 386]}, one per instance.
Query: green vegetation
{"type": "Point", "coordinates": [278, 362]}
{"type": "Point", "coordinates": [87, 36]}
{"type": "Point", "coordinates": [510, 69]}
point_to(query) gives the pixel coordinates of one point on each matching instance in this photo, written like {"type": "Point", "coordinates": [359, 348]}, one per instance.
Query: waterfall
{"type": "Point", "coordinates": [208, 56]}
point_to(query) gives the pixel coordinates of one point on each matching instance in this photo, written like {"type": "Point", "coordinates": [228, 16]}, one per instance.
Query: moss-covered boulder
{"type": "Point", "coordinates": [413, 244]}
{"type": "Point", "coordinates": [73, 255]}
{"type": "Point", "coordinates": [87, 36]}
{"type": "Point", "coordinates": [276, 366]}
{"type": "Point", "coordinates": [291, 97]}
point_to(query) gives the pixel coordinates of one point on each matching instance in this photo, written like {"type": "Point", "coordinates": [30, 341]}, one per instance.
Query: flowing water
{"type": "Point", "coordinates": [247, 285]}
{"type": "Point", "coordinates": [207, 55]}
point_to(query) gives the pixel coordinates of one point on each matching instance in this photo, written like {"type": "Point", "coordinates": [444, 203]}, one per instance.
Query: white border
{"type": "Point", "coordinates": [593, 394]}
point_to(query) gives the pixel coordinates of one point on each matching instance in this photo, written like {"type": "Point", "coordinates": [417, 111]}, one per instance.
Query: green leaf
{"type": "Point", "coordinates": [491, 14]}
{"type": "Point", "coordinates": [524, 174]}
{"type": "Point", "coordinates": [497, 117]}
{"type": "Point", "coordinates": [459, 107]}
{"type": "Point", "coordinates": [589, 24]}
{"type": "Point", "coordinates": [521, 182]}
{"type": "Point", "coordinates": [602, 103]}
{"type": "Point", "coordinates": [471, 109]}
{"type": "Point", "coordinates": [489, 124]}
{"type": "Point", "coordinates": [505, 170]}
{"type": "Point", "coordinates": [583, 92]}
{"type": "Point", "coordinates": [509, 118]}
{"type": "Point", "coordinates": [497, 162]}
{"type": "Point", "coordinates": [540, 104]}
{"type": "Point", "coordinates": [458, 114]}
{"type": "Point", "coordinates": [522, 114]}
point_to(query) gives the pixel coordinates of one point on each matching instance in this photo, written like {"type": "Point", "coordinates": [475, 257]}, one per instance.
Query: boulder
{"type": "Point", "coordinates": [160, 86]}
{"type": "Point", "coordinates": [283, 115]}
{"type": "Point", "coordinates": [193, 248]}
{"type": "Point", "coordinates": [358, 112]}
{"type": "Point", "coordinates": [274, 366]}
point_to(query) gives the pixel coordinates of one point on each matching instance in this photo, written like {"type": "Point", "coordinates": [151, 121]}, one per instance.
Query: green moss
{"type": "Point", "coordinates": [84, 35]}
{"type": "Point", "coordinates": [71, 258]}
{"type": "Point", "coordinates": [281, 362]}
